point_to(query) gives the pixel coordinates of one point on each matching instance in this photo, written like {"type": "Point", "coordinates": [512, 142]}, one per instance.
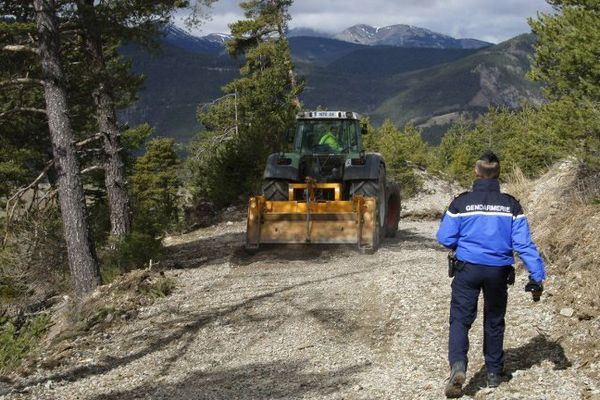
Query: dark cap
{"type": "Point", "coordinates": [490, 157]}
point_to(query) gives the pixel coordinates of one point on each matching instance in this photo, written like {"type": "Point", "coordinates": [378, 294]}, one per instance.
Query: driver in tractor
{"type": "Point", "coordinates": [330, 138]}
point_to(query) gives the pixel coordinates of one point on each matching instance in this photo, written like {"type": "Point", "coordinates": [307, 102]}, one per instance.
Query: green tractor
{"type": "Point", "coordinates": [327, 164]}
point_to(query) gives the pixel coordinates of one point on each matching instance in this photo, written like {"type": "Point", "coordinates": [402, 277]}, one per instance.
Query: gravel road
{"type": "Point", "coordinates": [307, 323]}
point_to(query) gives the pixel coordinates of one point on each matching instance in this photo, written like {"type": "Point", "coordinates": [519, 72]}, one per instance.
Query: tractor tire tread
{"type": "Point", "coordinates": [275, 190]}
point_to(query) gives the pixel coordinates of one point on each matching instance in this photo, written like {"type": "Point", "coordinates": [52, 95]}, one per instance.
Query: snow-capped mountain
{"type": "Point", "coordinates": [405, 36]}
{"type": "Point", "coordinates": [394, 35]}
{"type": "Point", "coordinates": [220, 38]}
{"type": "Point", "coordinates": [178, 37]}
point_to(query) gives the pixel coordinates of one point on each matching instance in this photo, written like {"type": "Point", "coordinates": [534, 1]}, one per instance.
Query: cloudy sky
{"type": "Point", "coordinates": [490, 20]}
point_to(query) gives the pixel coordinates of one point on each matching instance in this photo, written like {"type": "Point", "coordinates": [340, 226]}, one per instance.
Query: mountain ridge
{"type": "Point", "coordinates": [399, 35]}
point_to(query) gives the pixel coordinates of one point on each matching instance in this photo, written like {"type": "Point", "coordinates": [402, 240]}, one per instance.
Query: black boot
{"type": "Point", "coordinates": [457, 378]}
{"type": "Point", "coordinates": [493, 379]}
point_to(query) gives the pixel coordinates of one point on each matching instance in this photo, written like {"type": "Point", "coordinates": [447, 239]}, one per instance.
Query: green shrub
{"type": "Point", "coordinates": [403, 150]}
{"type": "Point", "coordinates": [132, 252]}
{"type": "Point", "coordinates": [410, 183]}
{"type": "Point", "coordinates": [229, 171]}
{"type": "Point", "coordinates": [18, 341]}
{"type": "Point", "coordinates": [160, 287]}
{"type": "Point", "coordinates": [11, 288]}
{"type": "Point", "coordinates": [530, 139]}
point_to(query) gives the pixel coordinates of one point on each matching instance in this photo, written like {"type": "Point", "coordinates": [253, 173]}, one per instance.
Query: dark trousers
{"type": "Point", "coordinates": [466, 285]}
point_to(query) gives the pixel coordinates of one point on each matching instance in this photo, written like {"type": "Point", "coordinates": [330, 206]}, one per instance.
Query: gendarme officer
{"type": "Point", "coordinates": [484, 227]}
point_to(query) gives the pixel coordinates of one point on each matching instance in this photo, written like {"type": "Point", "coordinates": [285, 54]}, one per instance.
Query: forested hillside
{"type": "Point", "coordinates": [430, 86]}
{"type": "Point", "coordinates": [433, 98]}
{"type": "Point", "coordinates": [176, 82]}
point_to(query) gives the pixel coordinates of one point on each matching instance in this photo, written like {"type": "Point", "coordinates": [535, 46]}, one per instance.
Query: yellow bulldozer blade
{"type": "Point", "coordinates": [311, 221]}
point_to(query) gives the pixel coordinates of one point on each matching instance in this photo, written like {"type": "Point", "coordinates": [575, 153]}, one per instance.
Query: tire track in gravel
{"type": "Point", "coordinates": [314, 322]}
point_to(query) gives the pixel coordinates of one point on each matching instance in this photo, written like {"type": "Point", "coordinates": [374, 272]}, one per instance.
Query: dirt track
{"type": "Point", "coordinates": [308, 322]}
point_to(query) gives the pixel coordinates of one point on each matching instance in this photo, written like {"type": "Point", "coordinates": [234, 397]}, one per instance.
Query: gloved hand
{"type": "Point", "coordinates": [536, 288]}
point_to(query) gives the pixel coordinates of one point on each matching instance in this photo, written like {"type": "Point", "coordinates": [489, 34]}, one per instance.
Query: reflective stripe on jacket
{"type": "Point", "coordinates": [485, 226]}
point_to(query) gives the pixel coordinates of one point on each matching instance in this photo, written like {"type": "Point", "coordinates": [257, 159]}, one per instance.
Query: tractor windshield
{"type": "Point", "coordinates": [330, 136]}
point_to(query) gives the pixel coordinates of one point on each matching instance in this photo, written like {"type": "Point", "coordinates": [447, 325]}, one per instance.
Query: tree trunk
{"type": "Point", "coordinates": [115, 181]}
{"type": "Point", "coordinates": [288, 61]}
{"type": "Point", "coordinates": [80, 246]}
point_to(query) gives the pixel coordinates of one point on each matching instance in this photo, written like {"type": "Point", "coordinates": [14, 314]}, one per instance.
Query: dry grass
{"type": "Point", "coordinates": [518, 185]}
{"type": "Point", "coordinates": [120, 300]}
{"type": "Point", "coordinates": [564, 216]}
{"type": "Point", "coordinates": [565, 221]}
{"type": "Point", "coordinates": [33, 262]}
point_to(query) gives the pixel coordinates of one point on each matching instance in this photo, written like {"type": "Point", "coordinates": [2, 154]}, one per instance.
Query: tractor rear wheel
{"type": "Point", "coordinates": [392, 215]}
{"type": "Point", "coordinates": [374, 188]}
{"type": "Point", "coordinates": [275, 190]}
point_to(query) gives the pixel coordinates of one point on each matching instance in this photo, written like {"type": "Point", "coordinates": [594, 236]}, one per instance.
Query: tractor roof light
{"type": "Point", "coordinates": [328, 115]}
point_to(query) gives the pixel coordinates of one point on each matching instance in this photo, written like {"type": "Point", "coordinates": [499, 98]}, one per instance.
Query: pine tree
{"type": "Point", "coordinates": [155, 184]}
{"type": "Point", "coordinates": [25, 107]}
{"type": "Point", "coordinates": [266, 21]}
{"type": "Point", "coordinates": [266, 91]}
{"type": "Point", "coordinates": [80, 246]}
{"type": "Point", "coordinates": [91, 36]}
{"type": "Point", "coordinates": [24, 145]}
{"type": "Point", "coordinates": [369, 135]}
{"type": "Point", "coordinates": [567, 51]}
{"type": "Point", "coordinates": [101, 24]}
{"type": "Point", "coordinates": [531, 139]}
{"type": "Point", "coordinates": [402, 151]}
{"type": "Point", "coordinates": [249, 123]}
{"type": "Point", "coordinates": [114, 168]}
{"type": "Point", "coordinates": [566, 61]}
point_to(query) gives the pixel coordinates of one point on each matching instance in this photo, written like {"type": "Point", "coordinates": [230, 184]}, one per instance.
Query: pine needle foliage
{"type": "Point", "coordinates": [227, 160]}
{"type": "Point", "coordinates": [155, 183]}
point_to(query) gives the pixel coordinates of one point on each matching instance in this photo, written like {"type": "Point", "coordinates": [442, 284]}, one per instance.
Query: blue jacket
{"type": "Point", "coordinates": [485, 226]}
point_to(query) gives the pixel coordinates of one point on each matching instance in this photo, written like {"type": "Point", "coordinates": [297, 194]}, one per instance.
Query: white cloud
{"type": "Point", "coordinates": [490, 20]}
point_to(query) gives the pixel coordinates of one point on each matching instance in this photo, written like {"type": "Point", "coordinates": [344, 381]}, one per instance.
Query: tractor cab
{"type": "Point", "coordinates": [327, 132]}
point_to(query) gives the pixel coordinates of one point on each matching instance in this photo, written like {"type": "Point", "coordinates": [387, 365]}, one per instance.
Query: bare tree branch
{"type": "Point", "coordinates": [92, 150]}
{"type": "Point", "coordinates": [50, 194]}
{"type": "Point", "coordinates": [90, 169]}
{"type": "Point", "coordinates": [88, 140]}
{"type": "Point", "coordinates": [21, 81]}
{"type": "Point", "coordinates": [10, 211]}
{"type": "Point", "coordinates": [23, 109]}
{"type": "Point", "coordinates": [32, 184]}
{"type": "Point", "coordinates": [21, 48]}
{"type": "Point", "coordinates": [214, 142]}
{"type": "Point", "coordinates": [13, 201]}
